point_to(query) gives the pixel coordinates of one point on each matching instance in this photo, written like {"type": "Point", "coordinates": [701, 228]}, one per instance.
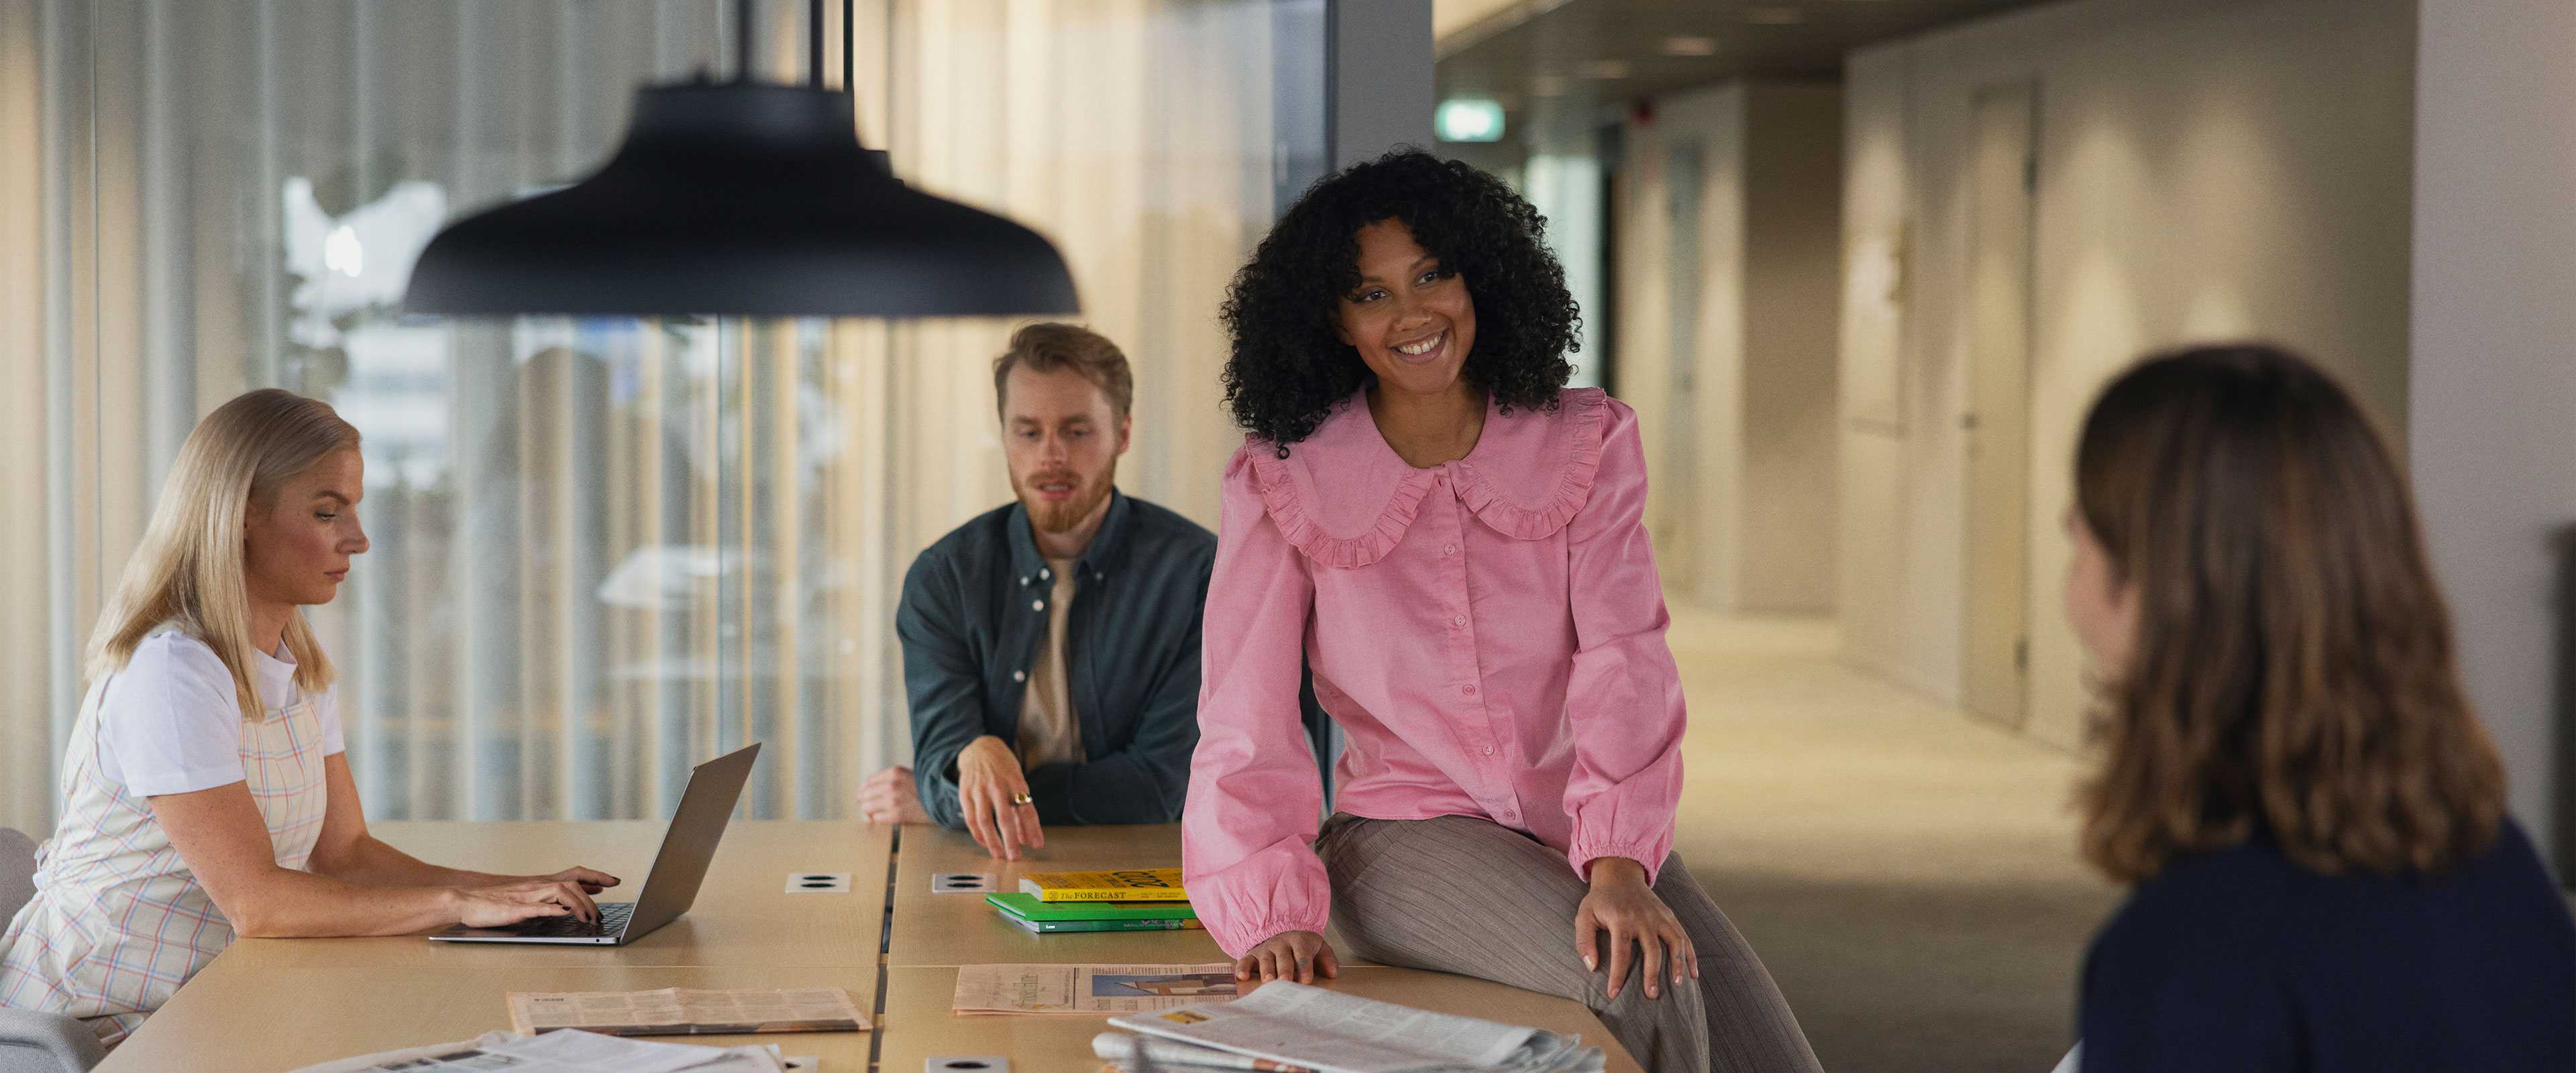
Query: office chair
{"type": "Point", "coordinates": [32, 1042]}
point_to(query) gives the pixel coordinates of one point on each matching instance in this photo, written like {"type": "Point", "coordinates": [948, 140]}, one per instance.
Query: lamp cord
{"type": "Point", "coordinates": [814, 44]}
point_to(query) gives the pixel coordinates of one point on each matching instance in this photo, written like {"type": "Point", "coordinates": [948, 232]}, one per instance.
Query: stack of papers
{"type": "Point", "coordinates": [561, 1052]}
{"type": "Point", "coordinates": [1293, 1028]}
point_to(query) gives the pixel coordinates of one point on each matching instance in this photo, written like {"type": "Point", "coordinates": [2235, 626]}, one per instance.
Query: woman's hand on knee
{"type": "Point", "coordinates": [1642, 928]}
{"type": "Point", "coordinates": [1290, 955]}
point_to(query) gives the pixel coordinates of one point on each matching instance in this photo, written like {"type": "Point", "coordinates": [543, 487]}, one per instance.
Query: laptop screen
{"type": "Point", "coordinates": [689, 845]}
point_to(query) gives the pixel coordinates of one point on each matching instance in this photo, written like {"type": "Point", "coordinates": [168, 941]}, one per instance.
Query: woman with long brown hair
{"type": "Point", "coordinates": [2310, 813]}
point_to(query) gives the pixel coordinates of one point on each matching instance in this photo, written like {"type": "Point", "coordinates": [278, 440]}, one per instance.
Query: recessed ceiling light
{"type": "Point", "coordinates": [1606, 69]}
{"type": "Point", "coordinates": [1690, 46]}
{"type": "Point", "coordinates": [1774, 16]}
{"type": "Point", "coordinates": [1469, 119]}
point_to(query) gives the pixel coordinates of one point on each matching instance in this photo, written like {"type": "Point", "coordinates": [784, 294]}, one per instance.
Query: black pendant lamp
{"type": "Point", "coordinates": [741, 199]}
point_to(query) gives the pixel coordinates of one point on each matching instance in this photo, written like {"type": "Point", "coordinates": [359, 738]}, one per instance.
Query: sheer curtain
{"type": "Point", "coordinates": [604, 549]}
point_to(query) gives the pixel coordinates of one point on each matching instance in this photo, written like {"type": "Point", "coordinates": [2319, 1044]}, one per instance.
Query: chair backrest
{"type": "Point", "coordinates": [17, 872]}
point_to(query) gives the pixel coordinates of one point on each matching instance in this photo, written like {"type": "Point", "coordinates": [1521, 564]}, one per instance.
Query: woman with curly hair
{"type": "Point", "coordinates": [1454, 543]}
{"type": "Point", "coordinates": [2292, 780]}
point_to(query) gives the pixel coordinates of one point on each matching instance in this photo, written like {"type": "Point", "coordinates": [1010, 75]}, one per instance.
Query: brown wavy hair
{"type": "Point", "coordinates": [1049, 346]}
{"type": "Point", "coordinates": [2292, 671]}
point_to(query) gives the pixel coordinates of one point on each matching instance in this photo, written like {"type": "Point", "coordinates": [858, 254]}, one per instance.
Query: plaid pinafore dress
{"type": "Point", "coordinates": [118, 922]}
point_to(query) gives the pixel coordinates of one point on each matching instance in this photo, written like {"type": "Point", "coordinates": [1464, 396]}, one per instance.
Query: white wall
{"type": "Point", "coordinates": [2207, 170]}
{"type": "Point", "coordinates": [2494, 383]}
{"type": "Point", "coordinates": [1750, 523]}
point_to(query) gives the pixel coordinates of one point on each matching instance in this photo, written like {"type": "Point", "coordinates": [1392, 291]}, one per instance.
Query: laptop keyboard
{"type": "Point", "coordinates": [612, 919]}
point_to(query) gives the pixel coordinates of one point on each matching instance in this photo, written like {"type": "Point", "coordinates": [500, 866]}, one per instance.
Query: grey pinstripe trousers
{"type": "Point", "coordinates": [1465, 895]}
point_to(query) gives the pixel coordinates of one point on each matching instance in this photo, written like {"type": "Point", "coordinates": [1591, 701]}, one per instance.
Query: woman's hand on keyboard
{"type": "Point", "coordinates": [592, 880]}
{"type": "Point", "coordinates": [509, 903]}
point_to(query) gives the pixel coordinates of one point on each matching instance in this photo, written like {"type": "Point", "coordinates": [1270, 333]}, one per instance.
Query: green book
{"type": "Point", "coordinates": [1044, 926]}
{"type": "Point", "coordinates": [1029, 907]}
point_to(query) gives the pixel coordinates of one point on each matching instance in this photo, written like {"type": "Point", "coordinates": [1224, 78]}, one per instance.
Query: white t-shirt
{"type": "Point", "coordinates": [169, 723]}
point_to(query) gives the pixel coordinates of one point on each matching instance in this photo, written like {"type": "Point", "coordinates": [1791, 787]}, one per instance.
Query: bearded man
{"type": "Point", "coordinates": [1051, 646]}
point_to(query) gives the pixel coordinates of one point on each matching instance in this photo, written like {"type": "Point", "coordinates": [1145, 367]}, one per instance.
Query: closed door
{"type": "Point", "coordinates": [2003, 176]}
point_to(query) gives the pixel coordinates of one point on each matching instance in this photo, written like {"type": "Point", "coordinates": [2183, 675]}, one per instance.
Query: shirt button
{"type": "Point", "coordinates": [1445, 549]}
{"type": "Point", "coordinates": [1460, 620]}
{"type": "Point", "coordinates": [1019, 676]}
{"type": "Point", "coordinates": [1467, 690]}
{"type": "Point", "coordinates": [1044, 574]}
{"type": "Point", "coordinates": [1037, 605]}
{"type": "Point", "coordinates": [1489, 750]}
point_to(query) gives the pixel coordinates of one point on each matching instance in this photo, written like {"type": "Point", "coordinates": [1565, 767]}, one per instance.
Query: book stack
{"type": "Point", "coordinates": [1150, 899]}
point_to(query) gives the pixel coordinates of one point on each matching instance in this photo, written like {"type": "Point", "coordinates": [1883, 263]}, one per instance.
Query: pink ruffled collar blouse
{"type": "Point", "coordinates": [1488, 633]}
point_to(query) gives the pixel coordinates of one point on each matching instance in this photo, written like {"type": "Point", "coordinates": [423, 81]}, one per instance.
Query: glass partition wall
{"type": "Point", "coordinates": [603, 550]}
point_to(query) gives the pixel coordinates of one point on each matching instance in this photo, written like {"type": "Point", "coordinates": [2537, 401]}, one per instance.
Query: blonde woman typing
{"type": "Point", "coordinates": [205, 792]}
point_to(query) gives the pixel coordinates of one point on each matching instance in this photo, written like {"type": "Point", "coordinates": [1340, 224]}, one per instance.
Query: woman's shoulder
{"type": "Point", "coordinates": [172, 654]}
{"type": "Point", "coordinates": [2255, 891]}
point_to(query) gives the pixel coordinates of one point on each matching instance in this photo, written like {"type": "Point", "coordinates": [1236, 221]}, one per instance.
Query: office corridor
{"type": "Point", "coordinates": [1907, 872]}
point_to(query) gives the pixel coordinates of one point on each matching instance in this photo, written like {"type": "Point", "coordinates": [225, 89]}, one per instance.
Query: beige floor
{"type": "Point", "coordinates": [1908, 873]}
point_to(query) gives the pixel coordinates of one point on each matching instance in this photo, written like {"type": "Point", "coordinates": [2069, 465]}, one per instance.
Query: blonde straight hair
{"type": "Point", "coordinates": [191, 569]}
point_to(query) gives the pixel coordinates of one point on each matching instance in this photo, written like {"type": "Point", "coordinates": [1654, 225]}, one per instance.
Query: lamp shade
{"type": "Point", "coordinates": [740, 199]}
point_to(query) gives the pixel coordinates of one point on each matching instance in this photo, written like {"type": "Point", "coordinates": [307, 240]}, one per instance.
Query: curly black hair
{"type": "Point", "coordinates": [1289, 365]}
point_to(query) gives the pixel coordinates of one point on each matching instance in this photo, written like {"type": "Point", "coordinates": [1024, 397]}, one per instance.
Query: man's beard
{"type": "Point", "coordinates": [1062, 517]}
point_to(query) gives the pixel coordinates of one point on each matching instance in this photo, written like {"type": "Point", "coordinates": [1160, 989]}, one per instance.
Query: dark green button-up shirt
{"type": "Point", "coordinates": [971, 620]}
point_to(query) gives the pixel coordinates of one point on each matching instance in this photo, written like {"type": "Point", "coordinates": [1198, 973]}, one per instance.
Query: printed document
{"type": "Point", "coordinates": [687, 1011]}
{"type": "Point", "coordinates": [1091, 989]}
{"type": "Point", "coordinates": [561, 1052]}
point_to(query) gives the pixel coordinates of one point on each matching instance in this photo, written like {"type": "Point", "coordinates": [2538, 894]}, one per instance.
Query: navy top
{"type": "Point", "coordinates": [2240, 960]}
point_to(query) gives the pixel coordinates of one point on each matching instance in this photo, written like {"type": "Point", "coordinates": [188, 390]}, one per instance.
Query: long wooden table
{"type": "Point", "coordinates": [268, 1005]}
{"type": "Point", "coordinates": [244, 1016]}
{"type": "Point", "coordinates": [743, 914]}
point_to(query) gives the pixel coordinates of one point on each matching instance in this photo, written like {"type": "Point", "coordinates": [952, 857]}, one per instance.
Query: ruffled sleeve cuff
{"type": "Point", "coordinates": [1650, 853]}
{"type": "Point", "coordinates": [1280, 889]}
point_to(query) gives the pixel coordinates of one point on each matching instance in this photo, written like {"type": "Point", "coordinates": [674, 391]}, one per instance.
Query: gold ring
{"type": "Point", "coordinates": [1021, 799]}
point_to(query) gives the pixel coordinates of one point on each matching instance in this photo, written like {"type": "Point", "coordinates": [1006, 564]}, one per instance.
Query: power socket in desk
{"type": "Point", "coordinates": [818, 882]}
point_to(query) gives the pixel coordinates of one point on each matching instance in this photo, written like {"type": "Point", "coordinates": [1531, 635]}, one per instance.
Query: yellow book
{"type": "Point", "coordinates": [1134, 885]}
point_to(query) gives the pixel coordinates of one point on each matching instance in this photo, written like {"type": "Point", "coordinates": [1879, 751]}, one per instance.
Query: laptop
{"type": "Point", "coordinates": [688, 845]}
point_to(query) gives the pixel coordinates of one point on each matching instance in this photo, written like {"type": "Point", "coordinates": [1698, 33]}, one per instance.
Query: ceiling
{"type": "Point", "coordinates": [1559, 62]}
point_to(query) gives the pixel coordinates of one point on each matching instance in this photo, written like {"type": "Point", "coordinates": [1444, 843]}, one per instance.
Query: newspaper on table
{"type": "Point", "coordinates": [1130, 1053]}
{"type": "Point", "coordinates": [687, 1011]}
{"type": "Point", "coordinates": [1091, 989]}
{"type": "Point", "coordinates": [561, 1052]}
{"type": "Point", "coordinates": [1308, 1027]}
